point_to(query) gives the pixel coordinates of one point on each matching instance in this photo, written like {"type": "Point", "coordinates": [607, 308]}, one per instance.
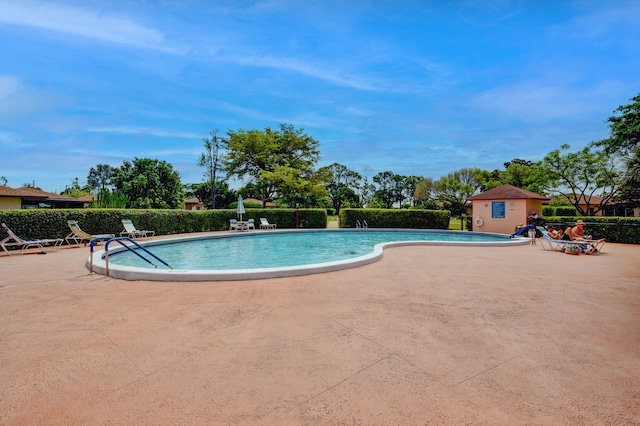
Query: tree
{"type": "Point", "coordinates": [624, 143]}
{"type": "Point", "coordinates": [100, 177]}
{"type": "Point", "coordinates": [453, 193]}
{"type": "Point", "coordinates": [277, 161]}
{"type": "Point", "coordinates": [224, 195]}
{"type": "Point", "coordinates": [578, 176]}
{"type": "Point", "coordinates": [75, 190]}
{"type": "Point", "coordinates": [526, 175]}
{"type": "Point", "coordinates": [149, 184]}
{"type": "Point", "coordinates": [425, 191]}
{"type": "Point", "coordinates": [342, 185]}
{"type": "Point", "coordinates": [366, 195]}
{"type": "Point", "coordinates": [409, 185]}
{"type": "Point", "coordinates": [210, 160]}
{"type": "Point", "coordinates": [625, 129]}
{"type": "Point", "coordinates": [520, 173]}
{"type": "Point", "coordinates": [3, 181]}
{"type": "Point", "coordinates": [389, 188]}
{"type": "Point", "coordinates": [453, 190]}
{"type": "Point", "coordinates": [31, 185]}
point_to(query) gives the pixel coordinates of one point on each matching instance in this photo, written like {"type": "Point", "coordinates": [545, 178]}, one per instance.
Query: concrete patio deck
{"type": "Point", "coordinates": [428, 335]}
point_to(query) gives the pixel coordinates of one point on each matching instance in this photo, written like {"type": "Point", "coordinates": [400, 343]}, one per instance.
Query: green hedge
{"type": "Point", "coordinates": [396, 218]}
{"type": "Point", "coordinates": [41, 223]}
{"type": "Point", "coordinates": [559, 211]}
{"type": "Point", "coordinates": [613, 229]}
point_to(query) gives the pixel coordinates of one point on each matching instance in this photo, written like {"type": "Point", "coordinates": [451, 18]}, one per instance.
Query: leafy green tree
{"type": "Point", "coordinates": [295, 186]}
{"type": "Point", "coordinates": [409, 185]}
{"type": "Point", "coordinates": [224, 195]}
{"type": "Point", "coordinates": [277, 161]}
{"type": "Point", "coordinates": [520, 173]}
{"type": "Point", "coordinates": [366, 194]}
{"type": "Point", "coordinates": [31, 185]}
{"type": "Point", "coordinates": [342, 185]}
{"type": "Point", "coordinates": [389, 188]}
{"type": "Point", "coordinates": [624, 144]}
{"type": "Point", "coordinates": [577, 176]}
{"type": "Point", "coordinates": [452, 193]}
{"type": "Point", "coordinates": [526, 175]}
{"type": "Point", "coordinates": [453, 190]}
{"type": "Point", "coordinates": [210, 160]}
{"type": "Point", "coordinates": [625, 129]}
{"type": "Point", "coordinates": [149, 184]}
{"type": "Point", "coordinates": [425, 191]}
{"type": "Point", "coordinates": [100, 177]}
{"type": "Point", "coordinates": [75, 190]}
{"type": "Point", "coordinates": [250, 190]}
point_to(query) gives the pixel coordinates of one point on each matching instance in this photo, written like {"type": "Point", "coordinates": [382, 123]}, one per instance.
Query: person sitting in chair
{"type": "Point", "coordinates": [577, 233]}
{"type": "Point", "coordinates": [553, 233]}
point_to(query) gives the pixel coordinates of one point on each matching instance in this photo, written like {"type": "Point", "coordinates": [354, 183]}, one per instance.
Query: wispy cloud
{"type": "Point", "coordinates": [17, 98]}
{"type": "Point", "coordinates": [319, 71]}
{"type": "Point", "coordinates": [83, 22]}
{"type": "Point", "coordinates": [134, 130]}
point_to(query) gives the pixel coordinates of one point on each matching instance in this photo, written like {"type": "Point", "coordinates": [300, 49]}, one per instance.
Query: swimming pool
{"type": "Point", "coordinates": [262, 254]}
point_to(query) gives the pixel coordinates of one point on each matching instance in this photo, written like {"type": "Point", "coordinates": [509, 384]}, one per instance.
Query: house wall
{"type": "Point", "coordinates": [515, 213]}
{"type": "Point", "coordinates": [10, 203]}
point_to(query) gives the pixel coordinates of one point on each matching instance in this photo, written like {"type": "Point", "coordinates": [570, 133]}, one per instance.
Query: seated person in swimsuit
{"type": "Point", "coordinates": [577, 233]}
{"type": "Point", "coordinates": [555, 234]}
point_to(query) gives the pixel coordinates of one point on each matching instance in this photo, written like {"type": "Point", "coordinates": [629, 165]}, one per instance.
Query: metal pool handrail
{"type": "Point", "coordinates": [120, 241]}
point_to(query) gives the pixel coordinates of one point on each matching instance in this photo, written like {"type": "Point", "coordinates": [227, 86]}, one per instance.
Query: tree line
{"type": "Point", "coordinates": [280, 165]}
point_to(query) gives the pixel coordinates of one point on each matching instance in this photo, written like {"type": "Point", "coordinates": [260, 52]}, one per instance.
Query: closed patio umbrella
{"type": "Point", "coordinates": [240, 209]}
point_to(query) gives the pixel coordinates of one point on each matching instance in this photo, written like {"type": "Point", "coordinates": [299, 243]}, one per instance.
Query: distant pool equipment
{"type": "Point", "coordinates": [479, 222]}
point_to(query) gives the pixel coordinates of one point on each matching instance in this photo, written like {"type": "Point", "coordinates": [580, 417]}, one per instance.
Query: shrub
{"type": "Point", "coordinates": [559, 211]}
{"type": "Point", "coordinates": [395, 218]}
{"type": "Point", "coordinates": [46, 223]}
{"type": "Point", "coordinates": [612, 229]}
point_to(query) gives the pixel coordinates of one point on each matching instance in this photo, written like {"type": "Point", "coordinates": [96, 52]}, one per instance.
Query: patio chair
{"type": "Point", "coordinates": [234, 225]}
{"type": "Point", "coordinates": [264, 224]}
{"type": "Point", "coordinates": [12, 240]}
{"type": "Point", "coordinates": [131, 231]}
{"type": "Point", "coordinates": [78, 236]}
{"type": "Point", "coordinates": [251, 224]}
{"type": "Point", "coordinates": [551, 244]}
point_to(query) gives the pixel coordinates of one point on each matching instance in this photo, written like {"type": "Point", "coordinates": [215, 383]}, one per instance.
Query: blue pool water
{"type": "Point", "coordinates": [277, 249]}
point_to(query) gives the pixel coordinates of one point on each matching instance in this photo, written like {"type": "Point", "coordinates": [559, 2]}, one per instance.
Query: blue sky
{"type": "Point", "coordinates": [413, 87]}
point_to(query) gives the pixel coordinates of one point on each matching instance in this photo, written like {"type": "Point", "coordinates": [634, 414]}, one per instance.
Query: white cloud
{"type": "Point", "coordinates": [18, 99]}
{"type": "Point", "coordinates": [321, 72]}
{"type": "Point", "coordinates": [133, 130]}
{"type": "Point", "coordinates": [83, 22]}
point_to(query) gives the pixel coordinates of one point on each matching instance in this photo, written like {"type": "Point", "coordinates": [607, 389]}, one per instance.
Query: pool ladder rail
{"type": "Point", "coordinates": [128, 247]}
{"type": "Point", "coordinates": [363, 225]}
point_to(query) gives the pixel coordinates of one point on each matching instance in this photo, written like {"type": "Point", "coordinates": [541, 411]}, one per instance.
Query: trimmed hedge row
{"type": "Point", "coordinates": [41, 223]}
{"type": "Point", "coordinates": [559, 211]}
{"type": "Point", "coordinates": [394, 218]}
{"type": "Point", "coordinates": [613, 229]}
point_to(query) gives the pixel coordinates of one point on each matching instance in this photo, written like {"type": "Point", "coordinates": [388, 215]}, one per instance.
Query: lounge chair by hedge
{"type": "Point", "coordinates": [131, 231]}
{"type": "Point", "coordinates": [264, 224]}
{"type": "Point", "coordinates": [586, 246]}
{"type": "Point", "coordinates": [78, 236]}
{"type": "Point", "coordinates": [12, 240]}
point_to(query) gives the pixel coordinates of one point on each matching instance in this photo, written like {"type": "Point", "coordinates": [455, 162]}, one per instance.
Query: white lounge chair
{"type": "Point", "coordinates": [234, 225]}
{"type": "Point", "coordinates": [551, 244]}
{"type": "Point", "coordinates": [264, 224]}
{"type": "Point", "coordinates": [251, 224]}
{"type": "Point", "coordinates": [12, 240]}
{"type": "Point", "coordinates": [131, 231]}
{"type": "Point", "coordinates": [78, 236]}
